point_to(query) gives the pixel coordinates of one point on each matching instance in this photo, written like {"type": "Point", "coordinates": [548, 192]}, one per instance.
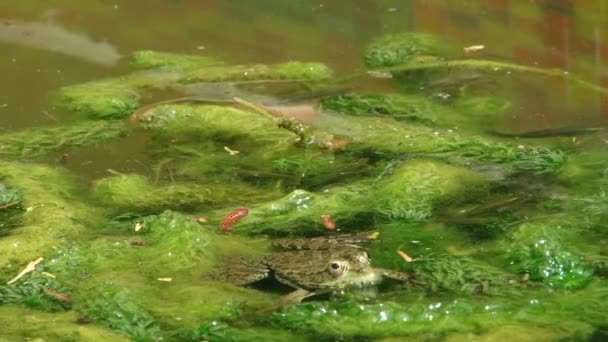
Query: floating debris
{"type": "Point", "coordinates": [328, 222]}
{"type": "Point", "coordinates": [232, 217]}
{"type": "Point", "coordinates": [473, 48]}
{"type": "Point", "coordinates": [29, 268]}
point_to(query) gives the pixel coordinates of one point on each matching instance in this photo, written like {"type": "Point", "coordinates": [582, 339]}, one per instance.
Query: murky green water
{"type": "Point", "coordinates": [486, 166]}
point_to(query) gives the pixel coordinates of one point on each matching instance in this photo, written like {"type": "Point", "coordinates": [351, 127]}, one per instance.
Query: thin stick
{"type": "Point", "coordinates": [29, 268]}
{"type": "Point", "coordinates": [9, 204]}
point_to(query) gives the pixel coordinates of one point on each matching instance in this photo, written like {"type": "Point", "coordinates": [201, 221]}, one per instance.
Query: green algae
{"type": "Point", "coordinates": [114, 98]}
{"type": "Point", "coordinates": [216, 123]}
{"type": "Point", "coordinates": [414, 316]}
{"type": "Point", "coordinates": [39, 141]}
{"type": "Point", "coordinates": [135, 192]}
{"type": "Point", "coordinates": [52, 215]}
{"type": "Point", "coordinates": [149, 59]}
{"type": "Point", "coordinates": [417, 186]}
{"type": "Point", "coordinates": [385, 135]}
{"type": "Point", "coordinates": [9, 196]}
{"type": "Point", "coordinates": [120, 285]}
{"type": "Point", "coordinates": [465, 113]}
{"type": "Point", "coordinates": [297, 71]}
{"type": "Point", "coordinates": [107, 99]}
{"type": "Point", "coordinates": [409, 194]}
{"type": "Point", "coordinates": [538, 249]}
{"type": "Point", "coordinates": [150, 277]}
{"type": "Point", "coordinates": [409, 107]}
{"type": "Point", "coordinates": [22, 323]}
{"type": "Point", "coordinates": [32, 291]}
{"type": "Point", "coordinates": [395, 49]}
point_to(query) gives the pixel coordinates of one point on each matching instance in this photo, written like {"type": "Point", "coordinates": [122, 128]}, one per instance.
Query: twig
{"type": "Point", "coordinates": [9, 204]}
{"type": "Point", "coordinates": [29, 268]}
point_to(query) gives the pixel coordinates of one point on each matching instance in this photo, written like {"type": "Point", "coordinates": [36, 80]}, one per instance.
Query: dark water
{"type": "Point", "coordinates": [45, 45]}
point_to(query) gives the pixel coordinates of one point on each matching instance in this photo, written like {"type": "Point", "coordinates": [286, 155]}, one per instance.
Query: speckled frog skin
{"type": "Point", "coordinates": [312, 266]}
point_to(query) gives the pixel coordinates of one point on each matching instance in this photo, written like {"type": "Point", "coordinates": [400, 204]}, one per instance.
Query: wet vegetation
{"type": "Point", "coordinates": [130, 256]}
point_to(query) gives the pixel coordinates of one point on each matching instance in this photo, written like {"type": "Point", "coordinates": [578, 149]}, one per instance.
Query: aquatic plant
{"type": "Point", "coordinates": [389, 137]}
{"type": "Point", "coordinates": [409, 194]}
{"type": "Point", "coordinates": [150, 59]}
{"type": "Point", "coordinates": [297, 71]}
{"type": "Point", "coordinates": [410, 315]}
{"type": "Point", "coordinates": [21, 322]}
{"type": "Point", "coordinates": [136, 192]}
{"type": "Point", "coordinates": [410, 107]}
{"type": "Point", "coordinates": [105, 99]}
{"type": "Point", "coordinates": [52, 216]}
{"type": "Point", "coordinates": [395, 49]}
{"type": "Point", "coordinates": [38, 141]}
{"type": "Point", "coordinates": [464, 275]}
{"type": "Point", "coordinates": [9, 196]}
{"type": "Point", "coordinates": [218, 123]}
{"type": "Point", "coordinates": [36, 291]}
{"type": "Point", "coordinates": [116, 308]}
{"type": "Point", "coordinates": [539, 249]}
{"type": "Point", "coordinates": [414, 188]}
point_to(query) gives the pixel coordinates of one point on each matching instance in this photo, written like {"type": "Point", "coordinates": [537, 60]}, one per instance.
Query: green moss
{"type": "Point", "coordinates": [394, 49]}
{"type": "Point", "coordinates": [149, 59]}
{"type": "Point", "coordinates": [539, 249]}
{"type": "Point", "coordinates": [38, 141]}
{"type": "Point", "coordinates": [297, 71]}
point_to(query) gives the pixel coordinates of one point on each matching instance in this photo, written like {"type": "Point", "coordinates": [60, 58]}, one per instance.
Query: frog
{"type": "Point", "coordinates": [312, 266]}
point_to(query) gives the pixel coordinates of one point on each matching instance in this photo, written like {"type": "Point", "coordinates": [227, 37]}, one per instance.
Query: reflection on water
{"type": "Point", "coordinates": [54, 38]}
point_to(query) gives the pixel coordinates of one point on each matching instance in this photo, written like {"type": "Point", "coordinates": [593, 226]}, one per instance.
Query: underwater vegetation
{"type": "Point", "coordinates": [40, 141]}
{"type": "Point", "coordinates": [490, 227]}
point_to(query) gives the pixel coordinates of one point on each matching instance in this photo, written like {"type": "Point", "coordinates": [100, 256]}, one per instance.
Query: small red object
{"type": "Point", "coordinates": [328, 222]}
{"type": "Point", "coordinates": [232, 217]}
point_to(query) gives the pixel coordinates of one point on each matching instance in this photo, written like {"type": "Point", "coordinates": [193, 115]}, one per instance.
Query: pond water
{"type": "Point", "coordinates": [482, 158]}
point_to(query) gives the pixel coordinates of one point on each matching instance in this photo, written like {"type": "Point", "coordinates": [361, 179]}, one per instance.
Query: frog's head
{"type": "Point", "coordinates": [335, 269]}
{"type": "Point", "coordinates": [350, 269]}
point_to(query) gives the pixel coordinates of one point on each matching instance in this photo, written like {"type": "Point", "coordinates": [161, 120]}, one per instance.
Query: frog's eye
{"type": "Point", "coordinates": [336, 268]}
